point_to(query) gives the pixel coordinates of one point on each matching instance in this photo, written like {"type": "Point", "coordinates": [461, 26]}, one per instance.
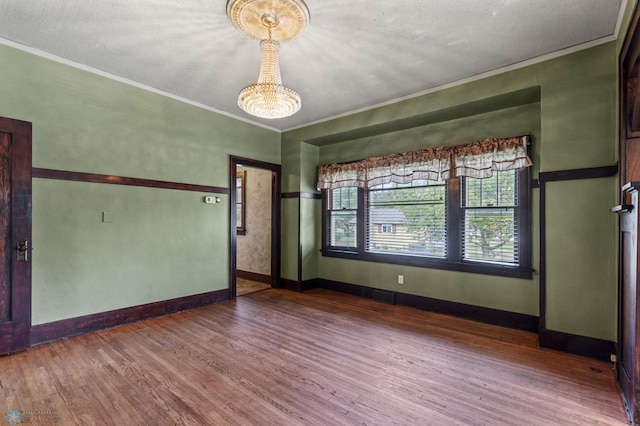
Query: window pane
{"type": "Point", "coordinates": [343, 228]}
{"type": "Point", "coordinates": [490, 235]}
{"type": "Point", "coordinates": [407, 220]}
{"type": "Point", "coordinates": [240, 202]}
{"type": "Point", "coordinates": [507, 188]}
{"type": "Point", "coordinates": [497, 190]}
{"type": "Point", "coordinates": [344, 198]}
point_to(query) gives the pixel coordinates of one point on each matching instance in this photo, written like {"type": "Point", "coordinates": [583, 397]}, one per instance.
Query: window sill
{"type": "Point", "coordinates": [434, 263]}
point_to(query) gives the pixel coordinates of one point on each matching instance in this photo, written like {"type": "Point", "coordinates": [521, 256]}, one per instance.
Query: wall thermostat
{"type": "Point", "coordinates": [211, 200]}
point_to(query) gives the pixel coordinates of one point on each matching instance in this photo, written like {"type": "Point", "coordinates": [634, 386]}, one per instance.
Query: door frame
{"type": "Point", "coordinates": [276, 192]}
{"type": "Point", "coordinates": [15, 333]}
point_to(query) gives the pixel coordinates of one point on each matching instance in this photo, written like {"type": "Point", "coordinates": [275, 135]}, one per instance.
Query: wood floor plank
{"type": "Point", "coordinates": [245, 286]}
{"type": "Point", "coordinates": [320, 358]}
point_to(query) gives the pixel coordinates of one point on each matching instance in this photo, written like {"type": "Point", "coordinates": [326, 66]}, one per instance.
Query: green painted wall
{"type": "Point", "coordinates": [309, 217]}
{"type": "Point", "coordinates": [291, 167]}
{"type": "Point", "coordinates": [290, 239]}
{"type": "Point", "coordinates": [573, 122]}
{"type": "Point", "coordinates": [581, 257]}
{"type": "Point", "coordinates": [309, 157]}
{"type": "Point", "coordinates": [163, 243]}
{"type": "Point", "coordinates": [290, 211]}
{"type": "Point", "coordinates": [300, 164]}
{"type": "Point", "coordinates": [520, 120]}
{"type": "Point", "coordinates": [83, 266]}
{"type": "Point", "coordinates": [309, 209]}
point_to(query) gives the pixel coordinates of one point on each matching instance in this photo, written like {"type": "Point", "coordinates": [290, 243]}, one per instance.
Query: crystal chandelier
{"type": "Point", "coordinates": [272, 22]}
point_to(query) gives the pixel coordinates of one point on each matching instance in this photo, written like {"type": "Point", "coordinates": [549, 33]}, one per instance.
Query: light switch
{"type": "Point", "coordinates": [107, 217]}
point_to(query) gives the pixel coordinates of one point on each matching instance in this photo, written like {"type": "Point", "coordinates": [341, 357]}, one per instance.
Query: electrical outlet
{"type": "Point", "coordinates": [613, 358]}
{"type": "Point", "coordinates": [400, 279]}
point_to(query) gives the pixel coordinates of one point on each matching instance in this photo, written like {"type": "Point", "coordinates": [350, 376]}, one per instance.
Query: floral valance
{"type": "Point", "coordinates": [478, 159]}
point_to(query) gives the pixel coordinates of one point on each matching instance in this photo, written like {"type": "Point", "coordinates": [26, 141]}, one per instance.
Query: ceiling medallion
{"type": "Point", "coordinates": [271, 22]}
{"type": "Point", "coordinates": [288, 18]}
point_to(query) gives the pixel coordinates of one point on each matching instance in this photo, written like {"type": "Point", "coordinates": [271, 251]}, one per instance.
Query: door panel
{"type": "Point", "coordinates": [5, 225]}
{"type": "Point", "coordinates": [15, 227]}
{"type": "Point", "coordinates": [628, 304]}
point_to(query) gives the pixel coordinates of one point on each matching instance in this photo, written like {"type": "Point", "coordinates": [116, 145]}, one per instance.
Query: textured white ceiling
{"type": "Point", "coordinates": [354, 54]}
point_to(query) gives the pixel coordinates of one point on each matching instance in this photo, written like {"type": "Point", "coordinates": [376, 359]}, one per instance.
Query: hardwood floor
{"type": "Point", "coordinates": [245, 286]}
{"type": "Point", "coordinates": [320, 358]}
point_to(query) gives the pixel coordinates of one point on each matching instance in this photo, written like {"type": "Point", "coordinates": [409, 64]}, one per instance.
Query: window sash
{"type": "Point", "coordinates": [342, 223]}
{"type": "Point", "coordinates": [490, 219]}
{"type": "Point", "coordinates": [478, 246]}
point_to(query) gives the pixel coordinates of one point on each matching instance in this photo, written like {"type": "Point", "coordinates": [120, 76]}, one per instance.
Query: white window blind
{"type": "Point", "coordinates": [407, 219]}
{"type": "Point", "coordinates": [342, 218]}
{"type": "Point", "coordinates": [490, 227]}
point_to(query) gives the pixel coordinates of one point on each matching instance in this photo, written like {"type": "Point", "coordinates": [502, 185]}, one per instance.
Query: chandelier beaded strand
{"type": "Point", "coordinates": [269, 98]}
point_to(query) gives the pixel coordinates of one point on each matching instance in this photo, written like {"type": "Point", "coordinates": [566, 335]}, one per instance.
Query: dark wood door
{"type": "Point", "coordinates": [628, 365]}
{"type": "Point", "coordinates": [15, 235]}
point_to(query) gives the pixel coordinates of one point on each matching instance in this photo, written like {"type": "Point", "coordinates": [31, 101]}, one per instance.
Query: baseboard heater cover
{"type": "Point", "coordinates": [384, 296]}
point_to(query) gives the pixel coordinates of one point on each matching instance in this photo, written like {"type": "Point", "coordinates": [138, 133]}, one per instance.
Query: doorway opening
{"type": "Point", "coordinates": [255, 226]}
